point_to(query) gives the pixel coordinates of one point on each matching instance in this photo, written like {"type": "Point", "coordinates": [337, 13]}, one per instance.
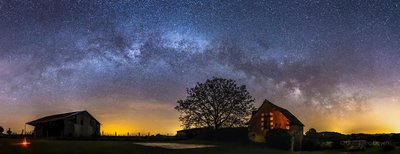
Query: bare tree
{"type": "Point", "coordinates": [216, 103]}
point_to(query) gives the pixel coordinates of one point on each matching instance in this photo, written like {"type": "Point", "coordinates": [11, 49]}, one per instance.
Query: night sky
{"type": "Point", "coordinates": [334, 64]}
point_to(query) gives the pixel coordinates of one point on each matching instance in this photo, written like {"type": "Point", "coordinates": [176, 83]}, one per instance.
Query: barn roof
{"type": "Point", "coordinates": [290, 116]}
{"type": "Point", "coordinates": [56, 117]}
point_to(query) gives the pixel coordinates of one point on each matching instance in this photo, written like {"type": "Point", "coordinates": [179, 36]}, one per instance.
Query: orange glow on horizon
{"type": "Point", "coordinates": [156, 118]}
{"type": "Point", "coordinates": [142, 117]}
{"type": "Point", "coordinates": [122, 129]}
{"type": "Point", "coordinates": [377, 120]}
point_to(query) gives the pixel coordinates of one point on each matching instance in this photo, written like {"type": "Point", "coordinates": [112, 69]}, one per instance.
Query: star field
{"type": "Point", "coordinates": [127, 62]}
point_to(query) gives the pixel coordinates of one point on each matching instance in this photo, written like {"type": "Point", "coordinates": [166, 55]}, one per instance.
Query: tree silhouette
{"type": "Point", "coordinates": [216, 103]}
{"type": "Point", "coordinates": [1, 130]}
{"type": "Point", "coordinates": [9, 131]}
{"type": "Point", "coordinates": [312, 132]}
{"type": "Point", "coordinates": [311, 140]}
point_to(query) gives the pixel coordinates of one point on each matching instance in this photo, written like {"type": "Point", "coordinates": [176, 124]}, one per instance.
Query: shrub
{"type": "Point", "coordinates": [387, 146]}
{"type": "Point", "coordinates": [311, 140]}
{"type": "Point", "coordinates": [1, 130]}
{"type": "Point", "coordinates": [9, 132]}
{"type": "Point", "coordinates": [278, 138]}
{"type": "Point", "coordinates": [311, 143]}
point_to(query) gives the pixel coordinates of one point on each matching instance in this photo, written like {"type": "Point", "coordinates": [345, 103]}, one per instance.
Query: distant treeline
{"type": "Point", "coordinates": [334, 136]}
{"type": "Point", "coordinates": [332, 140]}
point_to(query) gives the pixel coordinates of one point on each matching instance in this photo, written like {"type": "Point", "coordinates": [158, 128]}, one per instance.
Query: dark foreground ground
{"type": "Point", "coordinates": [13, 146]}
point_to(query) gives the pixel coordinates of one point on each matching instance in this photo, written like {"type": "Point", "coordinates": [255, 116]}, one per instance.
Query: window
{"type": "Point", "coordinates": [262, 125]}
{"type": "Point", "coordinates": [271, 114]}
{"type": "Point", "coordinates": [271, 118]}
{"type": "Point", "coordinates": [262, 118]}
{"type": "Point", "coordinates": [287, 124]}
{"type": "Point", "coordinates": [262, 114]}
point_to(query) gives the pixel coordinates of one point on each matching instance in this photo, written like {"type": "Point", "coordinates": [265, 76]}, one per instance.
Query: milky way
{"type": "Point", "coordinates": [329, 62]}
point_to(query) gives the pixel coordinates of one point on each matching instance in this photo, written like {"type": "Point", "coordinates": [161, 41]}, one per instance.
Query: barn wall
{"type": "Point", "coordinates": [257, 134]}
{"type": "Point", "coordinates": [257, 131]}
{"type": "Point", "coordinates": [49, 129]}
{"type": "Point", "coordinates": [81, 125]}
{"type": "Point", "coordinates": [85, 125]}
{"type": "Point", "coordinates": [69, 126]}
{"type": "Point", "coordinates": [39, 130]}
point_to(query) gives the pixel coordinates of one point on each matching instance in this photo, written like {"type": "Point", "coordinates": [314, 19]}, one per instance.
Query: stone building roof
{"type": "Point", "coordinates": [56, 117]}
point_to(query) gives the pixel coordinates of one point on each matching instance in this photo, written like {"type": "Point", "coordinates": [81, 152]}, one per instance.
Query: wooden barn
{"type": "Point", "coordinates": [72, 124]}
{"type": "Point", "coordinates": [268, 117]}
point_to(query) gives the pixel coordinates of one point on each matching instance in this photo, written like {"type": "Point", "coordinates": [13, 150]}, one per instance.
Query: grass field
{"type": "Point", "coordinates": [12, 146]}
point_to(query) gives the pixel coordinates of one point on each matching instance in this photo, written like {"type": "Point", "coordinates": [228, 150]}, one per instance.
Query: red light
{"type": "Point", "coordinates": [25, 143]}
